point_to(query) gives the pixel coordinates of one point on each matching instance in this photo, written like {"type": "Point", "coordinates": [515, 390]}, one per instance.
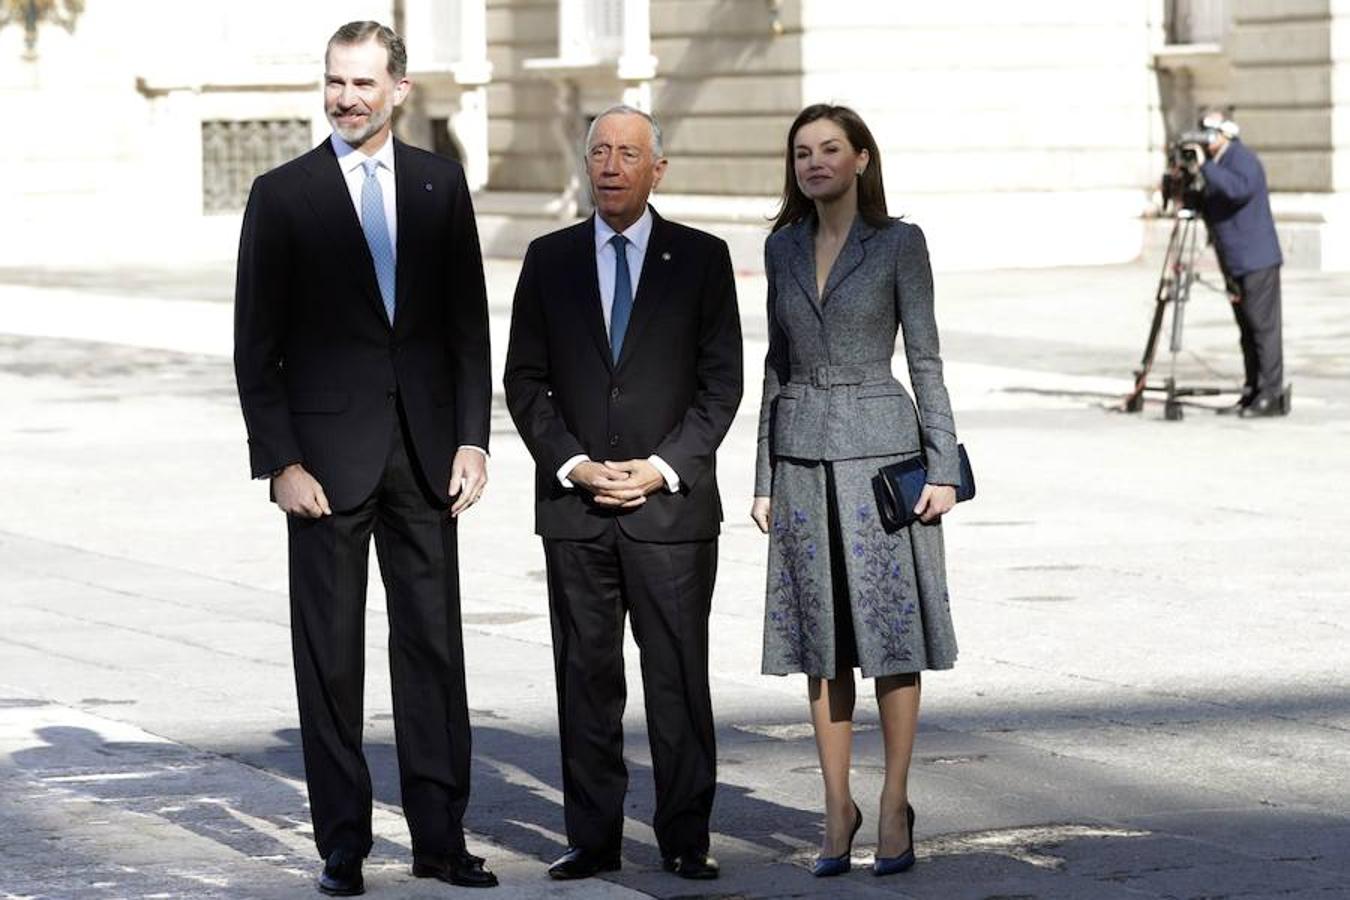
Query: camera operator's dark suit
{"type": "Point", "coordinates": [1236, 208]}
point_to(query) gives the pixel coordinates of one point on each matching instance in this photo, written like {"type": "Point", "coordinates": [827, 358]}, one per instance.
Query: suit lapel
{"type": "Point", "coordinates": [332, 204]}
{"type": "Point", "coordinates": [803, 262]}
{"type": "Point", "coordinates": [588, 289]}
{"type": "Point", "coordinates": [653, 284]}
{"type": "Point", "coordinates": [410, 199]}
{"type": "Point", "coordinates": [851, 256]}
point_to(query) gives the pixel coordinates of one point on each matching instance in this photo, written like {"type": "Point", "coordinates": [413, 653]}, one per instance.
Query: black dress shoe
{"type": "Point", "coordinates": [341, 875]}
{"type": "Point", "coordinates": [696, 866]}
{"type": "Point", "coordinates": [1264, 407]}
{"type": "Point", "coordinates": [462, 869]}
{"type": "Point", "coordinates": [579, 863]}
{"type": "Point", "coordinates": [1237, 408]}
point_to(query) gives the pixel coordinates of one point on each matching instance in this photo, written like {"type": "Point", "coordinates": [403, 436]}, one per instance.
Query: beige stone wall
{"type": "Point", "coordinates": [522, 107]}
{"type": "Point", "coordinates": [1283, 67]}
{"type": "Point", "coordinates": [112, 155]}
{"type": "Point", "coordinates": [1285, 88]}
{"type": "Point", "coordinates": [1016, 133]}
{"type": "Point", "coordinates": [727, 85]}
{"type": "Point", "coordinates": [83, 120]}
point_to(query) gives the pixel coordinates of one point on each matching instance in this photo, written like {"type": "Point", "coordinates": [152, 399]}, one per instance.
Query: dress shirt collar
{"type": "Point", "coordinates": [350, 158]}
{"type": "Point", "coordinates": [638, 233]}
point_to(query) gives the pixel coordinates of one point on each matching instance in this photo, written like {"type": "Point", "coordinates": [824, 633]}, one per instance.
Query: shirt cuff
{"type": "Point", "coordinates": [672, 479]}
{"type": "Point", "coordinates": [473, 447]}
{"type": "Point", "coordinates": [566, 469]}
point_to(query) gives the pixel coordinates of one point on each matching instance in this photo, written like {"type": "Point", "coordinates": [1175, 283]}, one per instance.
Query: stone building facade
{"type": "Point", "coordinates": [1017, 134]}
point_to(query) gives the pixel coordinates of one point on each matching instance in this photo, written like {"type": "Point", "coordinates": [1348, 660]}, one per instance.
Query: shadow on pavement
{"type": "Point", "coordinates": [517, 805]}
{"type": "Point", "coordinates": [517, 795]}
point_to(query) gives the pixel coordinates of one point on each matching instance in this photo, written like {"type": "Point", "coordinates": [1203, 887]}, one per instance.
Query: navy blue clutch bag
{"type": "Point", "coordinates": [899, 486]}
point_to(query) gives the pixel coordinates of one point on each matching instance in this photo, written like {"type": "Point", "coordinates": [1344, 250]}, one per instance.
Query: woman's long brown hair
{"type": "Point", "coordinates": [796, 206]}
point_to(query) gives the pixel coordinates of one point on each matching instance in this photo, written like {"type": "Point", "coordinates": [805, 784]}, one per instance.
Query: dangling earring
{"type": "Point", "coordinates": [859, 173]}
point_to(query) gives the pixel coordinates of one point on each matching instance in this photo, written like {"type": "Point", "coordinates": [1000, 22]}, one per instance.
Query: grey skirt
{"type": "Point", "coordinates": [841, 590]}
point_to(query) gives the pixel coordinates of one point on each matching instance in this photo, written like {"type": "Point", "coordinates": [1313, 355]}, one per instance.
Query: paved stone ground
{"type": "Point", "coordinates": [1153, 697]}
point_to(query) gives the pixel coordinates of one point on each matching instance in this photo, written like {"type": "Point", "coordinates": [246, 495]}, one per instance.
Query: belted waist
{"type": "Point", "coordinates": [825, 376]}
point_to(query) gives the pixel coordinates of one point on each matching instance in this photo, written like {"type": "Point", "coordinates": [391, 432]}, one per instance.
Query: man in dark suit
{"type": "Point", "coordinates": [623, 376]}
{"type": "Point", "coordinates": [1235, 204]}
{"type": "Point", "coordinates": [361, 355]}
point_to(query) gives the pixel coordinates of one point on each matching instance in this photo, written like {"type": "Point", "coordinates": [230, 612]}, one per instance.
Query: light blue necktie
{"type": "Point", "coordinates": [622, 307]}
{"type": "Point", "coordinates": [376, 228]}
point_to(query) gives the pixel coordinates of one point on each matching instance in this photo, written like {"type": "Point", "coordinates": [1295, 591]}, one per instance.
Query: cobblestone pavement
{"type": "Point", "coordinates": [1152, 701]}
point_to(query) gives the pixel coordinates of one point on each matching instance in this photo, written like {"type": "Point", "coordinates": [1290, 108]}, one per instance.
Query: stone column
{"type": "Point", "coordinates": [472, 73]}
{"type": "Point", "coordinates": [637, 65]}
{"type": "Point", "coordinates": [1289, 92]}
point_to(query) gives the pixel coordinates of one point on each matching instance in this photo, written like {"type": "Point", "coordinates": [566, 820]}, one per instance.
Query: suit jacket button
{"type": "Point", "coordinates": [614, 393]}
{"type": "Point", "coordinates": [391, 393]}
{"type": "Point", "coordinates": [614, 440]}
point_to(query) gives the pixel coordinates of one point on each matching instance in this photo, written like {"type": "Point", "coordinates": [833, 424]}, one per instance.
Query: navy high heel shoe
{"type": "Point", "coordinates": [890, 865]}
{"type": "Point", "coordinates": [829, 866]}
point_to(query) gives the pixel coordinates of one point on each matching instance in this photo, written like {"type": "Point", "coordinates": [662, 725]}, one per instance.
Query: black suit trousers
{"type": "Point", "coordinates": [415, 543]}
{"type": "Point", "coordinates": [667, 588]}
{"type": "Point", "coordinates": [1259, 321]}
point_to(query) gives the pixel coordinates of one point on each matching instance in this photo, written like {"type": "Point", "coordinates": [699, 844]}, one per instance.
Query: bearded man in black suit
{"type": "Point", "coordinates": [361, 356]}
{"type": "Point", "coordinates": [623, 375]}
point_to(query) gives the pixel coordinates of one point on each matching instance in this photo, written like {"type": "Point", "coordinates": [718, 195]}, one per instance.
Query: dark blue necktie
{"type": "Point", "coordinates": [622, 307]}
{"type": "Point", "coordinates": [376, 227]}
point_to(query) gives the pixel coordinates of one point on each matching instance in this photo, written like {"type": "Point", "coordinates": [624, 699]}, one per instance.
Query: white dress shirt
{"type": "Point", "coordinates": [352, 161]}
{"type": "Point", "coordinates": [638, 234]}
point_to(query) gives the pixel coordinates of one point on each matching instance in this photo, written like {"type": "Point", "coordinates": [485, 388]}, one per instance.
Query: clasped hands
{"type": "Point", "coordinates": [618, 485]}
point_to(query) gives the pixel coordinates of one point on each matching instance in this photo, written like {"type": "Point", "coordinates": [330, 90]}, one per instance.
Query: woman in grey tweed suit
{"type": "Point", "coordinates": [842, 590]}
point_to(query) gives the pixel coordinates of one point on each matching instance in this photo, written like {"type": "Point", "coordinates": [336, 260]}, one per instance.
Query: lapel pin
{"type": "Point", "coordinates": [427, 185]}
{"type": "Point", "coordinates": [666, 256]}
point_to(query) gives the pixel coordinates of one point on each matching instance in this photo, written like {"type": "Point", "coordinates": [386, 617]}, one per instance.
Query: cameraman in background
{"type": "Point", "coordinates": [1235, 205]}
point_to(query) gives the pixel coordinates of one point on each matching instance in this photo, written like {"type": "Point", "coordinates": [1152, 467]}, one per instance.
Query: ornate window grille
{"type": "Point", "coordinates": [236, 152]}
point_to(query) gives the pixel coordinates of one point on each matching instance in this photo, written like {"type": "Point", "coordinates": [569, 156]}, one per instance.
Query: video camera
{"type": "Point", "coordinates": [1182, 183]}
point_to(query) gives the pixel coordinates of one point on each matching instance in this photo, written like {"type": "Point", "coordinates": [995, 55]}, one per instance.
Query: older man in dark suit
{"type": "Point", "coordinates": [361, 355]}
{"type": "Point", "coordinates": [623, 376]}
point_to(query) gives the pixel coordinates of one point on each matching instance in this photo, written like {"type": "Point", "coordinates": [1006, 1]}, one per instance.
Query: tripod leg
{"type": "Point", "coordinates": [1178, 326]}
{"type": "Point", "coordinates": [1134, 402]}
{"type": "Point", "coordinates": [1172, 410]}
{"type": "Point", "coordinates": [1185, 278]}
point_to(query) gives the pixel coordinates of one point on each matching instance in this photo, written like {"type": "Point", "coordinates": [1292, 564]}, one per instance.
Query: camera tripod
{"type": "Point", "coordinates": [1174, 290]}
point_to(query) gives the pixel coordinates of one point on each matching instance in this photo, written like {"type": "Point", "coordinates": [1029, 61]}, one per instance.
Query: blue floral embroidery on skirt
{"type": "Point", "coordinates": [885, 613]}
{"type": "Point", "coordinates": [796, 615]}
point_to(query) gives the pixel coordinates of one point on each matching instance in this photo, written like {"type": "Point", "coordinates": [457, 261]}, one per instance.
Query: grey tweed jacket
{"type": "Point", "coordinates": [828, 389]}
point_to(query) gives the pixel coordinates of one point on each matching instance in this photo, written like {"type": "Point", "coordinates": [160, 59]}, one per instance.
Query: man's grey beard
{"type": "Point", "coordinates": [357, 137]}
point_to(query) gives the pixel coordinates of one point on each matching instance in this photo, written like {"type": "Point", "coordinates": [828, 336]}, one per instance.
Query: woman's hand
{"type": "Point", "coordinates": [936, 501]}
{"type": "Point", "coordinates": [759, 511]}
